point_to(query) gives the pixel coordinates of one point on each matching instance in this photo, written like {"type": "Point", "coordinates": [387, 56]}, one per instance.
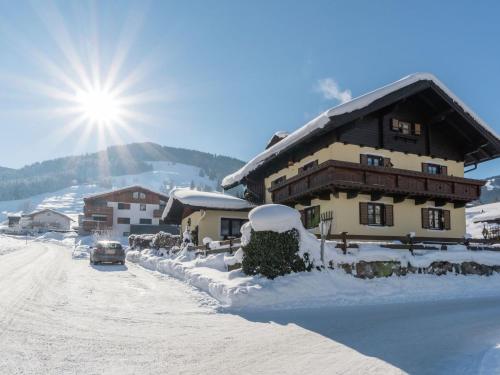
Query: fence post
{"type": "Point", "coordinates": [410, 243]}
{"type": "Point", "coordinates": [344, 242]}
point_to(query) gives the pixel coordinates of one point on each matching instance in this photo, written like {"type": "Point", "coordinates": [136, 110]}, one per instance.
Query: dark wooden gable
{"type": "Point", "coordinates": [445, 130]}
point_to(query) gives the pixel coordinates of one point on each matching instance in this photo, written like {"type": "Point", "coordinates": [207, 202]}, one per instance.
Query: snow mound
{"type": "Point", "coordinates": [275, 218]}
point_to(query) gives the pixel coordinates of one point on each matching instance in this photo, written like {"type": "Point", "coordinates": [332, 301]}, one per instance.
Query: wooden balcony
{"type": "Point", "coordinates": [333, 176]}
{"type": "Point", "coordinates": [93, 225]}
{"type": "Point", "coordinates": [88, 210]}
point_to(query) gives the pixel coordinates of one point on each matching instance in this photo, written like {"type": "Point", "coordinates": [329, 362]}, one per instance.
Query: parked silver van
{"type": "Point", "coordinates": [107, 251]}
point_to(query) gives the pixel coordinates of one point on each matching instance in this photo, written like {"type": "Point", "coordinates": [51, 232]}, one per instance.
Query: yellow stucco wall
{"type": "Point", "coordinates": [407, 216]}
{"type": "Point", "coordinates": [208, 222]}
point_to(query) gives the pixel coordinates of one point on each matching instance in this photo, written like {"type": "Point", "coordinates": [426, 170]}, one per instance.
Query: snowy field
{"type": "Point", "coordinates": [70, 200]}
{"type": "Point", "coordinates": [60, 315]}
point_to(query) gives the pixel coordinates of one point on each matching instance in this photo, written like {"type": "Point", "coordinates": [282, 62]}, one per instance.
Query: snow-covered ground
{"type": "Point", "coordinates": [70, 200]}
{"type": "Point", "coordinates": [61, 315]}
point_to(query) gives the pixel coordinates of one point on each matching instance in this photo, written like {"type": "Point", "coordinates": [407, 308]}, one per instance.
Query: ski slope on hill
{"type": "Point", "coordinates": [165, 175]}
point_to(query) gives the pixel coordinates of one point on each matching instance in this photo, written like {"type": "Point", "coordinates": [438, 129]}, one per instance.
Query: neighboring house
{"type": "Point", "coordinates": [213, 215]}
{"type": "Point", "coordinates": [390, 162]}
{"type": "Point", "coordinates": [13, 221]}
{"type": "Point", "coordinates": [120, 211]}
{"type": "Point", "coordinates": [46, 220]}
{"type": "Point", "coordinates": [491, 224]}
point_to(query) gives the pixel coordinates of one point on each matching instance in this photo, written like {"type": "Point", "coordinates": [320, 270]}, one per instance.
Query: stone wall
{"type": "Point", "coordinates": [370, 270]}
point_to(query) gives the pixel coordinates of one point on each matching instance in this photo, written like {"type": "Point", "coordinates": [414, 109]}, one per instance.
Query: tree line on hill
{"type": "Point", "coordinates": [56, 174]}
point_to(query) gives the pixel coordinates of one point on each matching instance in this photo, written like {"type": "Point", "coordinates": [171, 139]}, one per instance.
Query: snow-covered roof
{"type": "Point", "coordinates": [34, 213]}
{"type": "Point", "coordinates": [131, 187]}
{"type": "Point", "coordinates": [204, 200]}
{"type": "Point", "coordinates": [347, 107]}
{"type": "Point", "coordinates": [489, 212]}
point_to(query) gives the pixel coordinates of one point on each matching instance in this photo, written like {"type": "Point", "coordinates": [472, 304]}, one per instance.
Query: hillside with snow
{"type": "Point", "coordinates": [163, 176]}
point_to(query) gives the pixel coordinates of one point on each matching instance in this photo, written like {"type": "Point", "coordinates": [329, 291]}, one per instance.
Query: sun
{"type": "Point", "coordinates": [98, 106]}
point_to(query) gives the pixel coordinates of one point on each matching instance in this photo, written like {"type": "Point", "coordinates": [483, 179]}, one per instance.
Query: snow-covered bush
{"type": "Point", "coordinates": [165, 240]}
{"type": "Point", "coordinates": [276, 243]}
{"type": "Point", "coordinates": [273, 254]}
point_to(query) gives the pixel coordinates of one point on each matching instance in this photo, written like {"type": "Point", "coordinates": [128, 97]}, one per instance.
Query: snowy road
{"type": "Point", "coordinates": [60, 315]}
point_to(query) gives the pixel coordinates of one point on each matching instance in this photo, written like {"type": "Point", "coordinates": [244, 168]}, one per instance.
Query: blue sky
{"type": "Point", "coordinates": [223, 76]}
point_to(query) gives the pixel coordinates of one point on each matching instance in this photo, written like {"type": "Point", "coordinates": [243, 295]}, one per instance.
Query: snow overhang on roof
{"type": "Point", "coordinates": [131, 187]}
{"type": "Point", "coordinates": [350, 106]}
{"type": "Point", "coordinates": [197, 200]}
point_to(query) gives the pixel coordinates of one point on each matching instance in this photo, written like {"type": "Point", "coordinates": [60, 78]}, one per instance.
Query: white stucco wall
{"type": "Point", "coordinates": [134, 213]}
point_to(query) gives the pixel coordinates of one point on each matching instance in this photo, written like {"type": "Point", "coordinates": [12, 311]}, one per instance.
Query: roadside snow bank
{"type": "Point", "coordinates": [236, 290]}
{"type": "Point", "coordinates": [63, 238]}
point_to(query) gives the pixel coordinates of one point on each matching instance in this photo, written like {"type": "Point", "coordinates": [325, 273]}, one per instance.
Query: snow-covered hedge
{"type": "Point", "coordinates": [157, 241]}
{"type": "Point", "coordinates": [275, 242]}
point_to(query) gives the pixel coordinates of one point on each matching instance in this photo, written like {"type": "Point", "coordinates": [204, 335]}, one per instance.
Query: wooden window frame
{"type": "Point", "coordinates": [278, 181]}
{"type": "Point", "coordinates": [307, 216]}
{"type": "Point", "coordinates": [230, 226]}
{"type": "Point", "coordinates": [413, 128]}
{"type": "Point", "coordinates": [441, 169]}
{"type": "Point", "coordinates": [142, 205]}
{"type": "Point", "coordinates": [122, 220]}
{"type": "Point", "coordinates": [123, 206]}
{"type": "Point", "coordinates": [308, 166]}
{"type": "Point", "coordinates": [386, 212]}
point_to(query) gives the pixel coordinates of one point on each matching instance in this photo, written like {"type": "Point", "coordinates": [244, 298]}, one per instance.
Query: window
{"type": "Point", "coordinates": [310, 217]}
{"type": "Point", "coordinates": [406, 127]}
{"type": "Point", "coordinates": [231, 227]}
{"type": "Point", "coordinates": [308, 166]}
{"type": "Point", "coordinates": [135, 195]}
{"type": "Point", "coordinates": [377, 161]}
{"type": "Point", "coordinates": [376, 214]}
{"type": "Point", "coordinates": [142, 196]}
{"type": "Point", "coordinates": [143, 207]}
{"type": "Point", "coordinates": [434, 169]}
{"type": "Point", "coordinates": [124, 206]}
{"type": "Point", "coordinates": [278, 181]}
{"type": "Point", "coordinates": [145, 221]}
{"type": "Point", "coordinates": [436, 220]}
{"type": "Point", "coordinates": [123, 220]}
{"type": "Point", "coordinates": [99, 218]}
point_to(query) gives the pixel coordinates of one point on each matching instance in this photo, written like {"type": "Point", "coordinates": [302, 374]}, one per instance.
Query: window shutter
{"type": "Point", "coordinates": [424, 167]}
{"type": "Point", "coordinates": [444, 170]}
{"type": "Point", "coordinates": [425, 218]}
{"type": "Point", "coordinates": [395, 124]}
{"type": "Point", "coordinates": [387, 162]}
{"type": "Point", "coordinates": [363, 159]}
{"type": "Point", "coordinates": [447, 219]}
{"type": "Point", "coordinates": [389, 215]}
{"type": "Point", "coordinates": [417, 129]}
{"type": "Point", "coordinates": [363, 213]}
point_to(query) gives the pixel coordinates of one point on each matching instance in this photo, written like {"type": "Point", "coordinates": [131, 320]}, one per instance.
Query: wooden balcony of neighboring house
{"type": "Point", "coordinates": [333, 176]}
{"type": "Point", "coordinates": [90, 225]}
{"type": "Point", "coordinates": [100, 210]}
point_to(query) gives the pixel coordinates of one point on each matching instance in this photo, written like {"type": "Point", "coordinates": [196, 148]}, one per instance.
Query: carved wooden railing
{"type": "Point", "coordinates": [335, 175]}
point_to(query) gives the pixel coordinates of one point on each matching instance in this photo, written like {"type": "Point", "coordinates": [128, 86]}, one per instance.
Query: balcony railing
{"type": "Point", "coordinates": [332, 176]}
{"type": "Point", "coordinates": [102, 210]}
{"type": "Point", "coordinates": [93, 225]}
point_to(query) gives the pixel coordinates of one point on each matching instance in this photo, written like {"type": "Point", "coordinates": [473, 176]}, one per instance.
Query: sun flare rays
{"type": "Point", "coordinates": [98, 97]}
